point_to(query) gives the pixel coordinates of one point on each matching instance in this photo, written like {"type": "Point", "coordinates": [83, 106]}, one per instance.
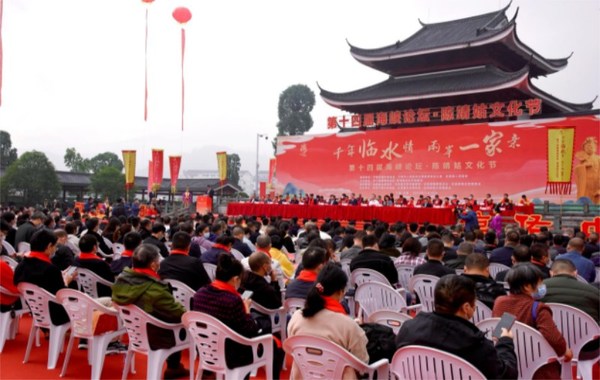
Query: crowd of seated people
{"type": "Point", "coordinates": [305, 259]}
{"type": "Point", "coordinates": [505, 203]}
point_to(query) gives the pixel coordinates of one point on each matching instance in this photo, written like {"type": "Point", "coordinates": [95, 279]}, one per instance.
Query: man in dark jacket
{"type": "Point", "coordinates": [26, 230]}
{"type": "Point", "coordinates": [477, 268]}
{"type": "Point", "coordinates": [563, 287]}
{"type": "Point", "coordinates": [266, 294]}
{"type": "Point", "coordinates": [371, 258]}
{"type": "Point", "coordinates": [222, 245]}
{"type": "Point", "coordinates": [142, 287]}
{"type": "Point", "coordinates": [88, 259]}
{"type": "Point", "coordinates": [36, 268]}
{"type": "Point", "coordinates": [157, 238]}
{"type": "Point", "coordinates": [131, 241]}
{"type": "Point", "coordinates": [503, 255]}
{"type": "Point", "coordinates": [181, 266]}
{"type": "Point", "coordinates": [313, 260]}
{"type": "Point", "coordinates": [238, 244]}
{"type": "Point", "coordinates": [434, 265]}
{"type": "Point", "coordinates": [448, 328]}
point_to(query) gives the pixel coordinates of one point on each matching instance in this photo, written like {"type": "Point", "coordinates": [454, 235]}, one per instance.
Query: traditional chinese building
{"type": "Point", "coordinates": [454, 72]}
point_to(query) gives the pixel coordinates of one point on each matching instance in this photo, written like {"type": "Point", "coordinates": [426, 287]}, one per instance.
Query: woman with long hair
{"type": "Point", "coordinates": [324, 316]}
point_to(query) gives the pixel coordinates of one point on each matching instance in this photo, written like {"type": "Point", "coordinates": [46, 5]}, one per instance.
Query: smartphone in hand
{"type": "Point", "coordinates": [506, 321]}
{"type": "Point", "coordinates": [247, 294]}
{"type": "Point", "coordinates": [70, 270]}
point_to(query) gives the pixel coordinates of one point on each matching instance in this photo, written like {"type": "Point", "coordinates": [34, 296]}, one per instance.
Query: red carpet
{"type": "Point", "coordinates": [12, 367]}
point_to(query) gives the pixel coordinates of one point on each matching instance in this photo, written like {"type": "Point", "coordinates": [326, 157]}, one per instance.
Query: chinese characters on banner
{"type": "Point", "coordinates": [452, 159]}
{"type": "Point", "coordinates": [462, 113]}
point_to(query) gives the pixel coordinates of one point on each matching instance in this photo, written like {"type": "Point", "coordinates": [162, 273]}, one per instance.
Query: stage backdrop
{"type": "Point", "coordinates": [496, 158]}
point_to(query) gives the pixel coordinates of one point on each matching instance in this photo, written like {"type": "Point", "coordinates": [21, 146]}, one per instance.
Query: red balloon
{"type": "Point", "coordinates": [182, 15]}
{"type": "Point", "coordinates": [147, 1]}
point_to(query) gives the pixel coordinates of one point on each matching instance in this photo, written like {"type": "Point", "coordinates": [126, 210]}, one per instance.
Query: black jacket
{"type": "Point", "coordinates": [434, 268]}
{"type": "Point", "coordinates": [372, 259]}
{"type": "Point", "coordinates": [487, 289]}
{"type": "Point", "coordinates": [462, 338]}
{"type": "Point", "coordinates": [265, 294]}
{"type": "Point", "coordinates": [102, 269]}
{"type": "Point", "coordinates": [164, 252]}
{"type": "Point", "coordinates": [242, 247]}
{"type": "Point", "coordinates": [186, 269]}
{"type": "Point", "coordinates": [47, 276]}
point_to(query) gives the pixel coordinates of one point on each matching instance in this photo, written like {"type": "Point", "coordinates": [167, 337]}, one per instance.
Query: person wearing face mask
{"type": "Point", "coordinates": [142, 286]}
{"type": "Point", "coordinates": [200, 242]}
{"type": "Point", "coordinates": [449, 328]}
{"type": "Point", "coordinates": [221, 300]}
{"type": "Point", "coordinates": [526, 288]}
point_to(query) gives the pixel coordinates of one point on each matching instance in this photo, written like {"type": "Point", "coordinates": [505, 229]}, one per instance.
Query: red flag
{"type": "Point", "coordinates": [182, 15]}
{"type": "Point", "coordinates": [157, 169]}
{"type": "Point", "coordinates": [150, 179]}
{"type": "Point", "coordinates": [174, 165]}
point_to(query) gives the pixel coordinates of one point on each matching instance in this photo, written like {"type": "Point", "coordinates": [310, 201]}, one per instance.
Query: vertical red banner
{"type": "Point", "coordinates": [157, 169]}
{"type": "Point", "coordinates": [262, 189]}
{"type": "Point", "coordinates": [150, 179]}
{"type": "Point", "coordinates": [174, 165]}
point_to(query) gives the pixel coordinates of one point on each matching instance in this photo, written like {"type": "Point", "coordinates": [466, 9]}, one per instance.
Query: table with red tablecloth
{"type": "Point", "coordinates": [443, 216]}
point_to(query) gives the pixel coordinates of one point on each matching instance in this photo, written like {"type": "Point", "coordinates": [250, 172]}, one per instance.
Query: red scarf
{"type": "Point", "coordinates": [88, 256]}
{"type": "Point", "coordinates": [221, 285]}
{"type": "Point", "coordinates": [306, 275]}
{"type": "Point", "coordinates": [221, 246]}
{"type": "Point", "coordinates": [333, 305]}
{"type": "Point", "coordinates": [179, 252]}
{"type": "Point", "coordinates": [127, 253]}
{"type": "Point", "coordinates": [148, 272]}
{"type": "Point", "coordinates": [40, 256]}
{"type": "Point", "coordinates": [263, 251]}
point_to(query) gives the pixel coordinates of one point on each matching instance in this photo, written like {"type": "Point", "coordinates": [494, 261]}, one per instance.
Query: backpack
{"type": "Point", "coordinates": [381, 341]}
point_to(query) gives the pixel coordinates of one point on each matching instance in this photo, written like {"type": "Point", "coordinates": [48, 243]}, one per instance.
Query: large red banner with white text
{"type": "Point", "coordinates": [496, 158]}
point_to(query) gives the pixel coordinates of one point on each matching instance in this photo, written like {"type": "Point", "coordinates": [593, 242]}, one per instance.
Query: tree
{"type": "Point", "coordinates": [32, 178]}
{"type": "Point", "coordinates": [8, 154]}
{"type": "Point", "coordinates": [233, 169]}
{"type": "Point", "coordinates": [102, 160]}
{"type": "Point", "coordinates": [108, 182]}
{"type": "Point", "coordinates": [75, 162]}
{"type": "Point", "coordinates": [295, 105]}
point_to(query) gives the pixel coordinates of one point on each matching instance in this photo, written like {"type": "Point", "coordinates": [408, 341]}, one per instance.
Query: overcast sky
{"type": "Point", "coordinates": [74, 69]}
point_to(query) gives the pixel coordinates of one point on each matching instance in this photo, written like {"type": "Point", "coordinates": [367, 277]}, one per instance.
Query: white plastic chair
{"type": "Point", "coordinates": [581, 279]}
{"type": "Point", "coordinates": [375, 296]}
{"type": "Point", "coordinates": [88, 282]}
{"type": "Point", "coordinates": [118, 250]}
{"type": "Point", "coordinates": [23, 247]}
{"type": "Point", "coordinates": [39, 300]}
{"type": "Point", "coordinates": [12, 263]}
{"type": "Point", "coordinates": [136, 321]}
{"type": "Point", "coordinates": [361, 275]}
{"type": "Point", "coordinates": [211, 270]}
{"type": "Point", "coordinates": [532, 349]}
{"type": "Point", "coordinates": [80, 307]}
{"type": "Point", "coordinates": [278, 318]}
{"type": "Point", "coordinates": [293, 304]}
{"type": "Point", "coordinates": [182, 293]}
{"type": "Point", "coordinates": [9, 320]}
{"type": "Point", "coordinates": [424, 363]}
{"type": "Point", "coordinates": [391, 319]}
{"type": "Point", "coordinates": [209, 335]}
{"type": "Point", "coordinates": [482, 311]}
{"type": "Point", "coordinates": [237, 254]}
{"type": "Point", "coordinates": [318, 358]}
{"type": "Point", "coordinates": [496, 268]}
{"type": "Point", "coordinates": [405, 272]}
{"type": "Point", "coordinates": [578, 328]}
{"type": "Point", "coordinates": [423, 285]}
{"type": "Point", "coordinates": [9, 248]}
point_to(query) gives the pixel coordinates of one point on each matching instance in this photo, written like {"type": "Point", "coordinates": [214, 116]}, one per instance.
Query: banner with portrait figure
{"type": "Point", "coordinates": [501, 157]}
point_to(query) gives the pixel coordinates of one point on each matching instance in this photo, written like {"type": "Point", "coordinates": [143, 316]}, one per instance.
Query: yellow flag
{"type": "Point", "coordinates": [129, 162]}
{"type": "Point", "coordinates": [222, 164]}
{"type": "Point", "coordinates": [560, 159]}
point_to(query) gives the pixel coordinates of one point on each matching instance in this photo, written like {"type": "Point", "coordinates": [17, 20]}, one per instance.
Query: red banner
{"type": "Point", "coordinates": [150, 172]}
{"type": "Point", "coordinates": [272, 170]}
{"type": "Point", "coordinates": [157, 169]}
{"type": "Point", "coordinates": [262, 191]}
{"type": "Point", "coordinates": [496, 158]}
{"type": "Point", "coordinates": [174, 165]}
{"type": "Point", "coordinates": [203, 204]}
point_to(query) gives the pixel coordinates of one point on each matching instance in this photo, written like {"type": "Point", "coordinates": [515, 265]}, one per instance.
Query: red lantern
{"type": "Point", "coordinates": [147, 2]}
{"type": "Point", "coordinates": [182, 15]}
